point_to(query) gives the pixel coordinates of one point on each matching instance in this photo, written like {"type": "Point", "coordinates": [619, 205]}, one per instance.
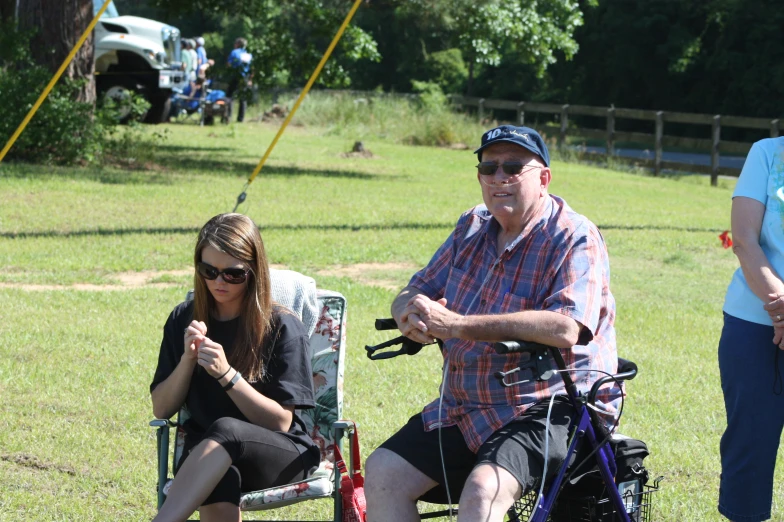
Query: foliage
{"type": "Point", "coordinates": [62, 131]}
{"type": "Point", "coordinates": [447, 69]}
{"type": "Point", "coordinates": [287, 39]}
{"type": "Point", "coordinates": [430, 95]}
{"type": "Point", "coordinates": [716, 56]}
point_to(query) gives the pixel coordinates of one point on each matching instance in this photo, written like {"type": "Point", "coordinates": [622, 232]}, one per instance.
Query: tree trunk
{"type": "Point", "coordinates": [7, 11]}
{"type": "Point", "coordinates": [58, 24]}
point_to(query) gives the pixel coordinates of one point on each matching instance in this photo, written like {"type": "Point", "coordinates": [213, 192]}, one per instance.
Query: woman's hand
{"type": "Point", "coordinates": [194, 335]}
{"type": "Point", "coordinates": [212, 358]}
{"type": "Point", "coordinates": [775, 309]}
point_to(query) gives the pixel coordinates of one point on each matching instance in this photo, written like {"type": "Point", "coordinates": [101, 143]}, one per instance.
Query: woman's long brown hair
{"type": "Point", "coordinates": [238, 236]}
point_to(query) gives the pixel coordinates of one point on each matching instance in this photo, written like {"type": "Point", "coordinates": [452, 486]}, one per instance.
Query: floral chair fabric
{"type": "Point", "coordinates": [327, 347]}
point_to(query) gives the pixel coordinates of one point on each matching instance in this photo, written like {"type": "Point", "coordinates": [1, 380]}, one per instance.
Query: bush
{"type": "Point", "coordinates": [447, 69]}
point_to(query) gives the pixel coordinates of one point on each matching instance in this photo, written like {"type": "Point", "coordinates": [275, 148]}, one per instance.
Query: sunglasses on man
{"type": "Point", "coordinates": [233, 276]}
{"type": "Point", "coordinates": [510, 168]}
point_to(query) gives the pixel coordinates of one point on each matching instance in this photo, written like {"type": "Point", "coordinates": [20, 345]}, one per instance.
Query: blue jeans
{"type": "Point", "coordinates": [751, 367]}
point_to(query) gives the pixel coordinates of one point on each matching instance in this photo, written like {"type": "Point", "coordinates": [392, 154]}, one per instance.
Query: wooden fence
{"type": "Point", "coordinates": [657, 139]}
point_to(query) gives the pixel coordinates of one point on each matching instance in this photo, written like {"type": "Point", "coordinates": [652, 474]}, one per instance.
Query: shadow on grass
{"type": "Point", "coordinates": [171, 171]}
{"type": "Point", "coordinates": [195, 230]}
{"type": "Point", "coordinates": [295, 227]}
{"type": "Point", "coordinates": [245, 168]}
{"type": "Point", "coordinates": [190, 149]}
{"type": "Point", "coordinates": [660, 228]}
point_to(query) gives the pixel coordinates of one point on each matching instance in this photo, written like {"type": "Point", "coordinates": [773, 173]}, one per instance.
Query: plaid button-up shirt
{"type": "Point", "coordinates": [559, 263]}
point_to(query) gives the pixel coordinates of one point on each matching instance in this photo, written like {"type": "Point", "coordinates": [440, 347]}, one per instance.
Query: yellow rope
{"type": "Point", "coordinates": [53, 81]}
{"type": "Point", "coordinates": [305, 90]}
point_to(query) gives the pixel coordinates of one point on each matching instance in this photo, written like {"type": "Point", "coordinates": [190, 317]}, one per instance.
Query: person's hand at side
{"type": "Point", "coordinates": [194, 335]}
{"type": "Point", "coordinates": [212, 358]}
{"type": "Point", "coordinates": [439, 320]}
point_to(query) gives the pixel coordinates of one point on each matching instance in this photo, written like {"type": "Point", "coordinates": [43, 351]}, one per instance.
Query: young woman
{"type": "Point", "coordinates": [241, 365]}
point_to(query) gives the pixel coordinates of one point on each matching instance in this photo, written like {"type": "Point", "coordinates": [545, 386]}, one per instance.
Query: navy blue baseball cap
{"type": "Point", "coordinates": [523, 136]}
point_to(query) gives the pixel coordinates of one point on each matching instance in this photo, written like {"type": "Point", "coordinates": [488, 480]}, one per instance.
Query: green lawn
{"type": "Point", "coordinates": [75, 362]}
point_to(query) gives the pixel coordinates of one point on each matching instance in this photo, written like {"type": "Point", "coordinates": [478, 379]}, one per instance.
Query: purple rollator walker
{"type": "Point", "coordinates": [629, 507]}
{"type": "Point", "coordinates": [605, 461]}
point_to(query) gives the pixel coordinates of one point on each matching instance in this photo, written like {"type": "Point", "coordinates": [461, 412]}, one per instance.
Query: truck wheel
{"type": "Point", "coordinates": [119, 90]}
{"type": "Point", "coordinates": [160, 110]}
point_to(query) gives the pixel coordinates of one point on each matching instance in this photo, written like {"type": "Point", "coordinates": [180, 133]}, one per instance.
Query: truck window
{"type": "Point", "coordinates": [111, 11]}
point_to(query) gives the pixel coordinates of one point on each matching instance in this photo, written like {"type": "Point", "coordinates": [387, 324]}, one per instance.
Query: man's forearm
{"type": "Point", "coordinates": [550, 328]}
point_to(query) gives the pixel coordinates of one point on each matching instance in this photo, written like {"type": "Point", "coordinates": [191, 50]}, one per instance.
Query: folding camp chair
{"type": "Point", "coordinates": [324, 424]}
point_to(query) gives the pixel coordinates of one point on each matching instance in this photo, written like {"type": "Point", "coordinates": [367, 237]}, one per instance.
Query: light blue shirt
{"type": "Point", "coordinates": [762, 179]}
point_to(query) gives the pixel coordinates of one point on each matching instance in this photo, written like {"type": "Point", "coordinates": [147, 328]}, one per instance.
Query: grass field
{"type": "Point", "coordinates": [94, 259]}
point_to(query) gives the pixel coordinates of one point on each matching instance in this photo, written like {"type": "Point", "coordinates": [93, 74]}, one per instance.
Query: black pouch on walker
{"type": "Point", "coordinates": [587, 488]}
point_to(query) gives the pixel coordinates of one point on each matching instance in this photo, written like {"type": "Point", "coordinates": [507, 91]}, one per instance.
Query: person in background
{"type": "Point", "coordinates": [241, 364]}
{"type": "Point", "coordinates": [750, 360]}
{"type": "Point", "coordinates": [187, 59]}
{"type": "Point", "coordinates": [194, 56]}
{"type": "Point", "coordinates": [239, 68]}
{"type": "Point", "coordinates": [201, 52]}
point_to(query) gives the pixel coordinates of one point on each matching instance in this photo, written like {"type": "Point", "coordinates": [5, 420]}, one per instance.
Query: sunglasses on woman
{"type": "Point", "coordinates": [233, 276]}
{"type": "Point", "coordinates": [510, 168]}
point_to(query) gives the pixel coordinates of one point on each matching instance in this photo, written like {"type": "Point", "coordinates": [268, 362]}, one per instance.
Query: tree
{"type": "Point", "coordinates": [489, 32]}
{"type": "Point", "coordinates": [57, 26]}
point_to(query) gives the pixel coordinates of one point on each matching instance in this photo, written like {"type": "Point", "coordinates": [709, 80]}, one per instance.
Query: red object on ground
{"type": "Point", "coordinates": [726, 240]}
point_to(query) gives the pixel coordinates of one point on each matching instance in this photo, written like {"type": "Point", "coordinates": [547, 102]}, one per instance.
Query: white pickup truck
{"type": "Point", "coordinates": [137, 54]}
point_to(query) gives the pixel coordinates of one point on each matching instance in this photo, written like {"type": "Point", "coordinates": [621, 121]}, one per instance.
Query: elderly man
{"type": "Point", "coordinates": [523, 266]}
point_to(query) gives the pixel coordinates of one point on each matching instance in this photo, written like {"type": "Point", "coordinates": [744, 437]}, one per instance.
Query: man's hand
{"type": "Point", "coordinates": [411, 324]}
{"type": "Point", "coordinates": [440, 321]}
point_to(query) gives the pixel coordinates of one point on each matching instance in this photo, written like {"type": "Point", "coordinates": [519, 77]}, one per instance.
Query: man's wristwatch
{"type": "Point", "coordinates": [233, 381]}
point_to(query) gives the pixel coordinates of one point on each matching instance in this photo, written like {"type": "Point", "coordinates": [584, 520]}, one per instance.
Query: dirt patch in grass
{"type": "Point", "coordinates": [391, 276]}
{"type": "Point", "coordinates": [384, 275]}
{"type": "Point", "coordinates": [31, 461]}
{"type": "Point", "coordinates": [125, 280]}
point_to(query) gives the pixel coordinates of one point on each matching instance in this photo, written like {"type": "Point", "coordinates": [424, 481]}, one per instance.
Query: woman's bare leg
{"type": "Point", "coordinates": [195, 480]}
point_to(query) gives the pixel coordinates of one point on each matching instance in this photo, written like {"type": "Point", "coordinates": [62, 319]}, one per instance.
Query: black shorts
{"type": "Point", "coordinates": [263, 458]}
{"type": "Point", "coordinates": [518, 447]}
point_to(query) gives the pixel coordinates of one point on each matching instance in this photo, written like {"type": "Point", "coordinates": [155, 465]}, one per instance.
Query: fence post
{"type": "Point", "coordinates": [658, 142]}
{"type": "Point", "coordinates": [774, 128]}
{"type": "Point", "coordinates": [521, 114]}
{"type": "Point", "coordinates": [564, 123]}
{"type": "Point", "coordinates": [716, 138]}
{"type": "Point", "coordinates": [481, 109]}
{"type": "Point", "coordinates": [611, 131]}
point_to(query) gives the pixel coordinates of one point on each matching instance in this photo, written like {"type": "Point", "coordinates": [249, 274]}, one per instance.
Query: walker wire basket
{"type": "Point", "coordinates": [589, 508]}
